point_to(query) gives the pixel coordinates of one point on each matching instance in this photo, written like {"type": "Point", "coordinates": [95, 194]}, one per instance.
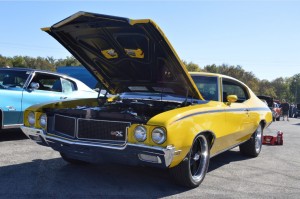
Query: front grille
{"type": "Point", "coordinates": [64, 125]}
{"type": "Point", "coordinates": [102, 130]}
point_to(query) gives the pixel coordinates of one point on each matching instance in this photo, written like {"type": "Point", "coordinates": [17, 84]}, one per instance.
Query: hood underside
{"type": "Point", "coordinates": [125, 55]}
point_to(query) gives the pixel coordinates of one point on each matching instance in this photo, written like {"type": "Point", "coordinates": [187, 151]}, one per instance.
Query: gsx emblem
{"type": "Point", "coordinates": [117, 133]}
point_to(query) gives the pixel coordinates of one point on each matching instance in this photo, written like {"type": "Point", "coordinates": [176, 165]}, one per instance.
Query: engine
{"type": "Point", "coordinates": [129, 110]}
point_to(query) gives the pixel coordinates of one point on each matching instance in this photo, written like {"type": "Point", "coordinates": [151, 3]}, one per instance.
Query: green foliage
{"type": "Point", "coordinates": [4, 61]}
{"type": "Point", "coordinates": [266, 88]}
{"type": "Point", "coordinates": [192, 67]}
{"type": "Point", "coordinates": [295, 87]}
{"type": "Point", "coordinates": [280, 88]}
{"type": "Point", "coordinates": [69, 61]}
{"type": "Point", "coordinates": [237, 72]}
{"type": "Point", "coordinates": [40, 63]}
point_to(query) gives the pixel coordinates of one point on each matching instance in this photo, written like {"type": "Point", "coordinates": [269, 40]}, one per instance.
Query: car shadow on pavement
{"type": "Point", "coordinates": [11, 134]}
{"type": "Point", "coordinates": [55, 178]}
{"type": "Point", "coordinates": [225, 158]}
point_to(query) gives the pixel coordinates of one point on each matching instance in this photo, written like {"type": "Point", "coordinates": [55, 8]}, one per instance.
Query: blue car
{"type": "Point", "coordinates": [80, 73]}
{"type": "Point", "coordinates": [21, 88]}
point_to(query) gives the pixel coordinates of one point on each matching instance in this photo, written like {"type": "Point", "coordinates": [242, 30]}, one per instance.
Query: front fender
{"type": "Point", "coordinates": [73, 103]}
{"type": "Point", "coordinates": [184, 124]}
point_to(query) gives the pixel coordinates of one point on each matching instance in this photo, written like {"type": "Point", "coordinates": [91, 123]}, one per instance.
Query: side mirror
{"type": "Point", "coordinates": [231, 99]}
{"type": "Point", "coordinates": [34, 85]}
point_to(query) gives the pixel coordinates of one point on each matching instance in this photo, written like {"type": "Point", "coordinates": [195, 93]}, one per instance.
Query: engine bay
{"type": "Point", "coordinates": [130, 110]}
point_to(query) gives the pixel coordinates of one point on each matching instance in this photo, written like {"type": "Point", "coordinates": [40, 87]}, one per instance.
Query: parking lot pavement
{"type": "Point", "coordinates": [28, 170]}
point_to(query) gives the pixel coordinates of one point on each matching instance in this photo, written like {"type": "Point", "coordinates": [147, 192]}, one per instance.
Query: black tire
{"type": "Point", "coordinates": [253, 146]}
{"type": "Point", "coordinates": [192, 170]}
{"type": "Point", "coordinates": [71, 160]}
{"type": "Point", "coordinates": [1, 119]}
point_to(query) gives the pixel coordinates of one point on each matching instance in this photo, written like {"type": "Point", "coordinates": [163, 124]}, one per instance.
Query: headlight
{"type": "Point", "coordinates": [43, 120]}
{"type": "Point", "coordinates": [31, 118]}
{"type": "Point", "coordinates": [140, 133]}
{"type": "Point", "coordinates": [159, 135]}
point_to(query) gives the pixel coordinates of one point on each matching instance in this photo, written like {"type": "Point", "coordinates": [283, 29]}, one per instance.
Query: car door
{"type": "Point", "coordinates": [11, 87]}
{"type": "Point", "coordinates": [237, 113]}
{"type": "Point", "coordinates": [42, 88]}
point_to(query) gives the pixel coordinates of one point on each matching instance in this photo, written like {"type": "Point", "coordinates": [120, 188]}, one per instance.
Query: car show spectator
{"type": "Point", "coordinates": [293, 110]}
{"type": "Point", "coordinates": [285, 107]}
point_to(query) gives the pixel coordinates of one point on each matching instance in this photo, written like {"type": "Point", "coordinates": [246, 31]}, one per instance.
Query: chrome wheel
{"type": "Point", "coordinates": [258, 139]}
{"type": "Point", "coordinates": [199, 158]}
{"type": "Point", "coordinates": [253, 146]}
{"type": "Point", "coordinates": [192, 170]}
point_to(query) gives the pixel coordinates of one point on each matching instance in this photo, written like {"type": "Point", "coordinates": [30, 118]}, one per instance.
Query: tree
{"type": "Point", "coordinates": [51, 60]}
{"type": "Point", "coordinates": [192, 67]}
{"type": "Point", "coordinates": [266, 88]}
{"type": "Point", "coordinates": [4, 61]}
{"type": "Point", "coordinates": [280, 88]}
{"type": "Point", "coordinates": [295, 87]}
{"type": "Point", "coordinates": [69, 61]}
{"type": "Point", "coordinates": [237, 72]}
{"type": "Point", "coordinates": [211, 68]}
{"type": "Point", "coordinates": [18, 61]}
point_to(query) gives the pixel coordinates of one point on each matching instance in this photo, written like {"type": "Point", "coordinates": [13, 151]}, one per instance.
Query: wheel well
{"type": "Point", "coordinates": [210, 137]}
{"type": "Point", "coordinates": [263, 123]}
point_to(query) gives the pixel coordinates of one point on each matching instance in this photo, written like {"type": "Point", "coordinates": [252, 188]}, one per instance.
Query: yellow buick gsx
{"type": "Point", "coordinates": [160, 115]}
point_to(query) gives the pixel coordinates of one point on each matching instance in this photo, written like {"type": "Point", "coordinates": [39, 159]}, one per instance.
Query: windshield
{"type": "Point", "coordinates": [12, 79]}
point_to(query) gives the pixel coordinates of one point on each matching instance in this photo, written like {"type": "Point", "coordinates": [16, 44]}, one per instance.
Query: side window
{"type": "Point", "coordinates": [208, 87]}
{"type": "Point", "coordinates": [68, 86]}
{"type": "Point", "coordinates": [11, 78]}
{"type": "Point", "coordinates": [48, 82]}
{"type": "Point", "coordinates": [231, 87]}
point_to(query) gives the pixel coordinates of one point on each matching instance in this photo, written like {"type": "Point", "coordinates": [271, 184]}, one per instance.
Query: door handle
{"type": "Point", "coordinates": [63, 97]}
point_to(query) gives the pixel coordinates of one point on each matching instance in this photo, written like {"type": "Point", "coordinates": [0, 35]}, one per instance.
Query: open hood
{"type": "Point", "coordinates": [125, 55]}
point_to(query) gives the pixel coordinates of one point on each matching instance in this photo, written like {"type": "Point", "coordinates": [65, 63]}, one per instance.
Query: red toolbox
{"type": "Point", "coordinates": [273, 140]}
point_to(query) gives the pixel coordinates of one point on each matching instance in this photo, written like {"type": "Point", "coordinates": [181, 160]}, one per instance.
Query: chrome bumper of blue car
{"type": "Point", "coordinates": [132, 154]}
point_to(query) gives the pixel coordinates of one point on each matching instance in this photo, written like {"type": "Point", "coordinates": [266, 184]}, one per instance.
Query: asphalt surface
{"type": "Point", "coordinates": [28, 170]}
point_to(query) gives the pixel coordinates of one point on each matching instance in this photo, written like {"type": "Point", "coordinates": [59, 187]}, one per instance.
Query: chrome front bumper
{"type": "Point", "coordinates": [132, 154]}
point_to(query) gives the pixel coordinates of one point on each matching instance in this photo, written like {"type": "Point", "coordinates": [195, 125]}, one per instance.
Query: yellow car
{"type": "Point", "coordinates": [160, 115]}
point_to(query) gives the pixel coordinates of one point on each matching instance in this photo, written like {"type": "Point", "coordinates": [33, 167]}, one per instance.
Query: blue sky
{"type": "Point", "coordinates": [261, 36]}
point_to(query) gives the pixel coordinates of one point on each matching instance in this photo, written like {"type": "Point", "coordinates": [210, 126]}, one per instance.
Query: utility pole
{"type": "Point", "coordinates": [296, 93]}
{"type": "Point", "coordinates": [295, 81]}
